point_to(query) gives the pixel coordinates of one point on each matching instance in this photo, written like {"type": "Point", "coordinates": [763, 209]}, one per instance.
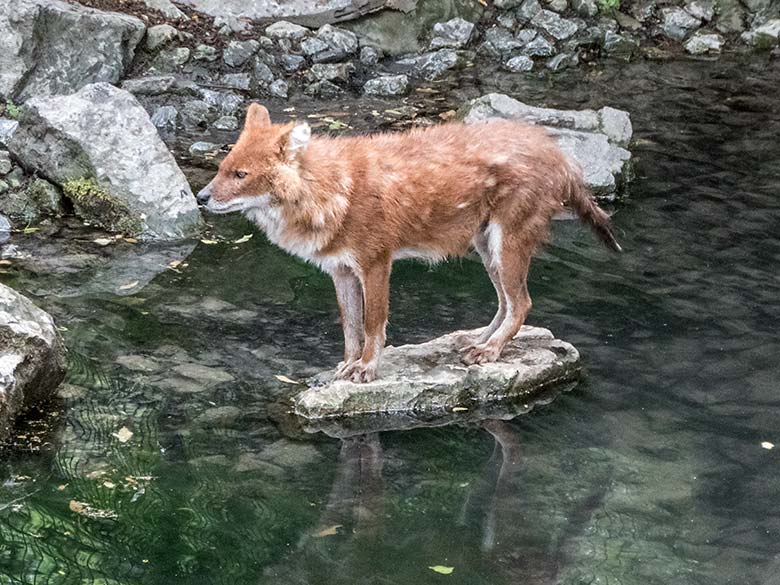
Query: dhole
{"type": "Point", "coordinates": [352, 205]}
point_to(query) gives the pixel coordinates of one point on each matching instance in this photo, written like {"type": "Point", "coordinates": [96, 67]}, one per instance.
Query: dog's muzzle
{"type": "Point", "coordinates": [204, 194]}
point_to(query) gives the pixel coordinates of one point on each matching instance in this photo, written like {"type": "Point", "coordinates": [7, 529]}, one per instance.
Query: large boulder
{"type": "Point", "coordinates": [50, 47]}
{"type": "Point", "coordinates": [101, 147]}
{"type": "Point", "coordinates": [32, 356]}
{"type": "Point", "coordinates": [313, 13]}
{"type": "Point", "coordinates": [428, 378]}
{"type": "Point", "coordinates": [595, 140]}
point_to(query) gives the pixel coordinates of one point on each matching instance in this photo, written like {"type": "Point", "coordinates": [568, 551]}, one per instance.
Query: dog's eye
{"type": "Point", "coordinates": [240, 174]}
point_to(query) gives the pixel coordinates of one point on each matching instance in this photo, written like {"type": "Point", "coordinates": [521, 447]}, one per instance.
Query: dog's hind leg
{"type": "Point", "coordinates": [511, 252]}
{"type": "Point", "coordinates": [483, 247]}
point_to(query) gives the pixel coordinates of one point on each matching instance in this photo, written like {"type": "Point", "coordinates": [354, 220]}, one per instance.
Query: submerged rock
{"type": "Point", "coordinates": [429, 378]}
{"type": "Point", "coordinates": [75, 140]}
{"type": "Point", "coordinates": [32, 356]}
{"type": "Point", "coordinates": [50, 47]}
{"type": "Point", "coordinates": [593, 139]}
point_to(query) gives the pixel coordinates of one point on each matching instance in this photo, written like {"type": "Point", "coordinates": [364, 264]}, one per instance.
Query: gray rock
{"type": "Point", "coordinates": [642, 10]}
{"type": "Point", "coordinates": [239, 52]}
{"type": "Point", "coordinates": [562, 61]}
{"type": "Point", "coordinates": [5, 228]}
{"type": "Point", "coordinates": [202, 148]}
{"type": "Point", "coordinates": [507, 20]}
{"type": "Point", "coordinates": [77, 137]}
{"type": "Point", "coordinates": [528, 10]}
{"type": "Point", "coordinates": [585, 8]}
{"type": "Point", "coordinates": [159, 36]}
{"type": "Point", "coordinates": [340, 44]}
{"type": "Point", "coordinates": [701, 9]}
{"type": "Point", "coordinates": [730, 16]}
{"type": "Point", "coordinates": [279, 89]}
{"type": "Point", "coordinates": [171, 59]}
{"type": "Point", "coordinates": [699, 44]}
{"type": "Point", "coordinates": [390, 85]}
{"type": "Point", "coordinates": [429, 378]}
{"type": "Point", "coordinates": [7, 129]}
{"type": "Point", "coordinates": [627, 22]}
{"type": "Point", "coordinates": [195, 113]}
{"type": "Point", "coordinates": [620, 46]}
{"type": "Point", "coordinates": [332, 71]}
{"type": "Point", "coordinates": [539, 47]}
{"type": "Point", "coordinates": [453, 34]}
{"type": "Point", "coordinates": [50, 47]}
{"type": "Point", "coordinates": [433, 65]}
{"type": "Point", "coordinates": [229, 25]}
{"type": "Point", "coordinates": [46, 197]}
{"type": "Point", "coordinates": [159, 85]}
{"type": "Point", "coordinates": [526, 35]}
{"type": "Point", "coordinates": [519, 64]}
{"type": "Point", "coordinates": [228, 123]}
{"type": "Point", "coordinates": [314, 45]}
{"type": "Point", "coordinates": [32, 357]}
{"type": "Point", "coordinates": [205, 53]}
{"type": "Point", "coordinates": [506, 4]}
{"type": "Point", "coordinates": [677, 23]}
{"type": "Point", "coordinates": [594, 139]}
{"type": "Point", "coordinates": [558, 5]}
{"type": "Point", "coordinates": [240, 81]}
{"type": "Point", "coordinates": [370, 56]}
{"type": "Point", "coordinates": [286, 30]}
{"type": "Point", "coordinates": [324, 88]}
{"type": "Point", "coordinates": [554, 25]}
{"type": "Point", "coordinates": [500, 43]}
{"type": "Point", "coordinates": [765, 36]}
{"type": "Point", "coordinates": [291, 63]}
{"type": "Point", "coordinates": [226, 102]}
{"type": "Point", "coordinates": [165, 118]}
{"type": "Point", "coordinates": [167, 8]}
{"type": "Point", "coordinates": [263, 74]}
{"type": "Point", "coordinates": [219, 416]}
{"type": "Point", "coordinates": [5, 163]}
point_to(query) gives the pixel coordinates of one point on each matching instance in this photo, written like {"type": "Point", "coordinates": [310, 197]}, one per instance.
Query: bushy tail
{"type": "Point", "coordinates": [581, 199]}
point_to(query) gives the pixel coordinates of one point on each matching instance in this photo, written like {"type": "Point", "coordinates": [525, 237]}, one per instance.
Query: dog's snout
{"type": "Point", "coordinates": [204, 194]}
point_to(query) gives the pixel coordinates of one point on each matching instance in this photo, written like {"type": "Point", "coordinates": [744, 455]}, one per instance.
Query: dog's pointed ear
{"type": "Point", "coordinates": [257, 117]}
{"type": "Point", "coordinates": [294, 140]}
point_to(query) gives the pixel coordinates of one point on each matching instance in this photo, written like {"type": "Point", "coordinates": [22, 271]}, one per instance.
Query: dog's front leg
{"type": "Point", "coordinates": [376, 292]}
{"type": "Point", "coordinates": [350, 297]}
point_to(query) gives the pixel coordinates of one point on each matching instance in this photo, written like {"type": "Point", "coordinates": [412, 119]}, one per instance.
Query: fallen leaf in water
{"type": "Point", "coordinates": [459, 409]}
{"type": "Point", "coordinates": [330, 531]}
{"type": "Point", "coordinates": [131, 240]}
{"type": "Point", "coordinates": [174, 263]}
{"type": "Point", "coordinates": [129, 285]}
{"type": "Point", "coordinates": [767, 445]}
{"type": "Point", "coordinates": [62, 487]}
{"type": "Point", "coordinates": [30, 230]}
{"type": "Point", "coordinates": [441, 569]}
{"type": "Point", "coordinates": [243, 239]}
{"type": "Point", "coordinates": [102, 241]}
{"type": "Point", "coordinates": [285, 379]}
{"type": "Point", "coordinates": [447, 115]}
{"type": "Point", "coordinates": [109, 484]}
{"type": "Point", "coordinates": [209, 242]}
{"type": "Point", "coordinates": [88, 511]}
{"type": "Point", "coordinates": [5, 262]}
{"type": "Point", "coordinates": [124, 435]}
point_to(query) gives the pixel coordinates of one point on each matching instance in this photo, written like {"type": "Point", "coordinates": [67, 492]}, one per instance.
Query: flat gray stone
{"type": "Point", "coordinates": [519, 64]}
{"type": "Point", "coordinates": [77, 137]}
{"type": "Point", "coordinates": [453, 34]}
{"type": "Point", "coordinates": [429, 378]}
{"type": "Point", "coordinates": [677, 23]}
{"type": "Point", "coordinates": [50, 47]}
{"type": "Point", "coordinates": [159, 36]}
{"type": "Point", "coordinates": [167, 8]}
{"type": "Point", "coordinates": [593, 139]}
{"type": "Point", "coordinates": [554, 25]}
{"type": "Point", "coordinates": [32, 356]}
{"type": "Point", "coordinates": [700, 44]}
{"type": "Point", "coordinates": [390, 85]}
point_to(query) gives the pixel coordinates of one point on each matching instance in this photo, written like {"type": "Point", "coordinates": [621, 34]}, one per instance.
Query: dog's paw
{"type": "Point", "coordinates": [357, 372]}
{"type": "Point", "coordinates": [342, 368]}
{"type": "Point", "coordinates": [479, 354]}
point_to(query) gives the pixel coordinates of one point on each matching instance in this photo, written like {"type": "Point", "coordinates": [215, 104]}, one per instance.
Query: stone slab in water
{"type": "Point", "coordinates": [429, 378]}
{"type": "Point", "coordinates": [594, 139]}
{"type": "Point", "coordinates": [32, 362]}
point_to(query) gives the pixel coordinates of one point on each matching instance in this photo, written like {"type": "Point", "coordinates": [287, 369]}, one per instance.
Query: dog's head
{"type": "Point", "coordinates": [247, 176]}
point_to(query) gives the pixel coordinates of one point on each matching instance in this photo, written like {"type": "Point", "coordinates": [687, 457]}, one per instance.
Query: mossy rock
{"type": "Point", "coordinates": [96, 205]}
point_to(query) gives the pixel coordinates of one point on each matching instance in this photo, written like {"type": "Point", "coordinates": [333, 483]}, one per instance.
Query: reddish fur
{"type": "Point", "coordinates": [433, 190]}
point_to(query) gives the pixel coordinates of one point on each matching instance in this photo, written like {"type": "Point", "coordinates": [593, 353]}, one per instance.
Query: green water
{"type": "Point", "coordinates": [650, 471]}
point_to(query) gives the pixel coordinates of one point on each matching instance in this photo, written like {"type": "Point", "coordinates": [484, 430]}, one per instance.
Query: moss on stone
{"type": "Point", "coordinates": [11, 110]}
{"type": "Point", "coordinates": [95, 204]}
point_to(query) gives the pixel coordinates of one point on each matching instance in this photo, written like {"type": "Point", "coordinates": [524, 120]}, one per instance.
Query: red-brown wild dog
{"type": "Point", "coordinates": [352, 205]}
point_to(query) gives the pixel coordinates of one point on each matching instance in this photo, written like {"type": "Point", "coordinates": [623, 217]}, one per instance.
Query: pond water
{"type": "Point", "coordinates": [650, 471]}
